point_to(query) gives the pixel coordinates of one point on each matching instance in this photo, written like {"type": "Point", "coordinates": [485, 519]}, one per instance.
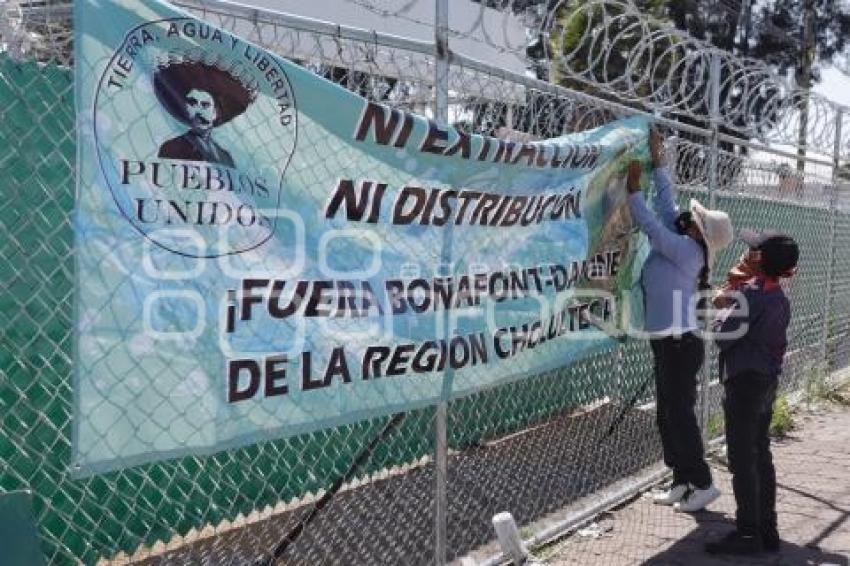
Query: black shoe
{"type": "Point", "coordinates": [735, 543]}
{"type": "Point", "coordinates": [770, 541]}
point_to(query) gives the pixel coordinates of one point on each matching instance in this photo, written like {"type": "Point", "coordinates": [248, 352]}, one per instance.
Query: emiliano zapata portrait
{"type": "Point", "coordinates": [203, 97]}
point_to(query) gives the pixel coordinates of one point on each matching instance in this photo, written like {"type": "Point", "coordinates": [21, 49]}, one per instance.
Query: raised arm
{"type": "Point", "coordinates": [664, 203]}
{"type": "Point", "coordinates": [676, 247]}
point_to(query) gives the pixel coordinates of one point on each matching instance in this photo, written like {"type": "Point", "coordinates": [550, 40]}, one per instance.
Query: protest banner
{"type": "Point", "coordinates": [261, 252]}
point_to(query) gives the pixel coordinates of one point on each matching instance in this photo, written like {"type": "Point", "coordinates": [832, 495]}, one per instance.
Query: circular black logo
{"type": "Point", "coordinates": [194, 129]}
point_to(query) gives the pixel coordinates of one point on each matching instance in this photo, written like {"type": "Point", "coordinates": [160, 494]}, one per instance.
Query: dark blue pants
{"type": "Point", "coordinates": [677, 363]}
{"type": "Point", "coordinates": [748, 407]}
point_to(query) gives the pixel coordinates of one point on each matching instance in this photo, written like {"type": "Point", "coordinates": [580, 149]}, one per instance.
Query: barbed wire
{"type": "Point", "coordinates": [609, 47]}
{"type": "Point", "coordinates": [612, 47]}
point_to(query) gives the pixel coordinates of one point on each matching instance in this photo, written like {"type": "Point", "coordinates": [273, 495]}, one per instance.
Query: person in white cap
{"type": "Point", "coordinates": [684, 245]}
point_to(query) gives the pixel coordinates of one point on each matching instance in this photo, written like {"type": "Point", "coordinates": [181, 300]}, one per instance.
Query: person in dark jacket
{"type": "Point", "coordinates": [751, 336]}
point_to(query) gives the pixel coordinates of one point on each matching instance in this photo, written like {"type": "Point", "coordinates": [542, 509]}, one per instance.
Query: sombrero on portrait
{"type": "Point", "coordinates": [173, 80]}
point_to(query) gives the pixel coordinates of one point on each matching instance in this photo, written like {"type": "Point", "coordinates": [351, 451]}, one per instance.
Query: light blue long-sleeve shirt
{"type": "Point", "coordinates": [669, 276]}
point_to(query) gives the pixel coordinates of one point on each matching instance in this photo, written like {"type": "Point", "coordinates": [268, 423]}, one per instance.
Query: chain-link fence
{"type": "Point", "coordinates": [552, 449]}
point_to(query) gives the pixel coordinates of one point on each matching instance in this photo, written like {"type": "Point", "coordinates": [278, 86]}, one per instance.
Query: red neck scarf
{"type": "Point", "coordinates": [767, 283]}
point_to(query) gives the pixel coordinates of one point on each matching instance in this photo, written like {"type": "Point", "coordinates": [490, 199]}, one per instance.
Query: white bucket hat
{"type": "Point", "coordinates": [715, 226]}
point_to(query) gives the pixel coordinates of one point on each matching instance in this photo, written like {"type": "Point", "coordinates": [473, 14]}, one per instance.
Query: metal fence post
{"type": "Point", "coordinates": [830, 265]}
{"type": "Point", "coordinates": [713, 183]}
{"type": "Point", "coordinates": [714, 118]}
{"type": "Point", "coordinates": [441, 114]}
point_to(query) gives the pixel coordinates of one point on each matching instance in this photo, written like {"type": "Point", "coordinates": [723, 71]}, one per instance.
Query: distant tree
{"type": "Point", "coordinates": [43, 29]}
{"type": "Point", "coordinates": [579, 35]}
{"type": "Point", "coordinates": [780, 37]}
{"type": "Point", "coordinates": [799, 36]}
{"type": "Point", "coordinates": [817, 32]}
{"type": "Point", "coordinates": [593, 49]}
{"type": "Point", "coordinates": [787, 35]}
{"type": "Point", "coordinates": [368, 85]}
{"type": "Point", "coordinates": [716, 21]}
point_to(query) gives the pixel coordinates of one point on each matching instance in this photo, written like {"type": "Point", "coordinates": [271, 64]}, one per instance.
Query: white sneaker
{"type": "Point", "coordinates": [697, 499]}
{"type": "Point", "coordinates": [672, 495]}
